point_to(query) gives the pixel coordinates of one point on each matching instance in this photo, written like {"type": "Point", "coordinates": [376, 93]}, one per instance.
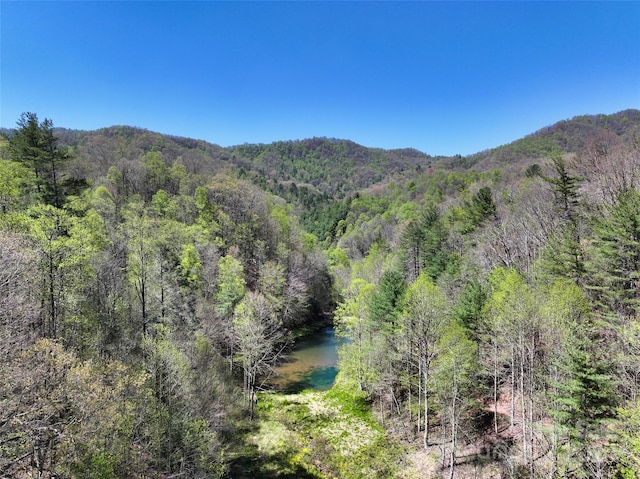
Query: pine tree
{"type": "Point", "coordinates": [423, 243]}
{"type": "Point", "coordinates": [586, 402]}
{"type": "Point", "coordinates": [35, 145]}
{"type": "Point", "coordinates": [564, 255]}
{"type": "Point", "coordinates": [468, 308]}
{"type": "Point", "coordinates": [386, 302]}
{"type": "Point", "coordinates": [482, 206]}
{"type": "Point", "coordinates": [615, 263]}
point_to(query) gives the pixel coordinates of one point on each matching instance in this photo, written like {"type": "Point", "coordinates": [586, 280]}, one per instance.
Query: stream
{"type": "Point", "coordinates": [311, 364]}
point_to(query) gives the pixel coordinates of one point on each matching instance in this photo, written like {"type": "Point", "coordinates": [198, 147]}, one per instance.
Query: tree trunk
{"type": "Point", "coordinates": [51, 329]}
{"type": "Point", "coordinates": [425, 438]}
{"type": "Point", "coordinates": [454, 430]}
{"type": "Point", "coordinates": [495, 387]}
{"type": "Point", "coordinates": [523, 425]}
{"type": "Point", "coordinates": [513, 388]}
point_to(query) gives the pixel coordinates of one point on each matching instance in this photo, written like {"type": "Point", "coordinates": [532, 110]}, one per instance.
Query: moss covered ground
{"type": "Point", "coordinates": [328, 434]}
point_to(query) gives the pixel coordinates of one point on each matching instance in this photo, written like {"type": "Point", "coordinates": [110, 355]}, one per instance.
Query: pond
{"type": "Point", "coordinates": [311, 364]}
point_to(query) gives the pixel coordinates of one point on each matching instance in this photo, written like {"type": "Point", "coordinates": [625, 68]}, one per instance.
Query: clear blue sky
{"type": "Point", "coordinates": [442, 77]}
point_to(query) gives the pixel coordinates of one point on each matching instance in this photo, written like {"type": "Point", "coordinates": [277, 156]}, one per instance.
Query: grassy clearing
{"type": "Point", "coordinates": [329, 434]}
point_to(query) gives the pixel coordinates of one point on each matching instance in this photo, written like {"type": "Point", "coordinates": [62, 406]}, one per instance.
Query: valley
{"type": "Point", "coordinates": [470, 316]}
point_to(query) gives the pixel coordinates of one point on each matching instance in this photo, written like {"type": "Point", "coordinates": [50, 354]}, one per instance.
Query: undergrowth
{"type": "Point", "coordinates": [329, 434]}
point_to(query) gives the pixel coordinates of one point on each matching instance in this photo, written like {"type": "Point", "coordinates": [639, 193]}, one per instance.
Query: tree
{"type": "Point", "coordinates": [15, 179]}
{"type": "Point", "coordinates": [423, 242]}
{"type": "Point", "coordinates": [518, 237]}
{"type": "Point", "coordinates": [259, 337]}
{"type": "Point", "coordinates": [19, 309]}
{"type": "Point", "coordinates": [468, 307]}
{"type": "Point", "coordinates": [34, 144]}
{"type": "Point", "coordinates": [426, 316]}
{"type": "Point", "coordinates": [615, 262]}
{"type": "Point", "coordinates": [453, 380]}
{"type": "Point", "coordinates": [231, 284]}
{"type": "Point", "coordinates": [565, 256]}
{"type": "Point", "coordinates": [58, 238]}
{"type": "Point", "coordinates": [37, 416]}
{"type": "Point", "coordinates": [567, 325]}
{"type": "Point", "coordinates": [610, 166]}
{"type": "Point", "coordinates": [587, 403]}
{"type": "Point", "coordinates": [156, 174]}
{"type": "Point", "coordinates": [481, 207]}
{"type": "Point", "coordinates": [352, 322]}
{"type": "Point", "coordinates": [387, 300]}
{"type": "Point", "coordinates": [140, 232]}
{"type": "Point", "coordinates": [513, 331]}
{"type": "Point", "coordinates": [626, 445]}
{"type": "Point", "coordinates": [565, 188]}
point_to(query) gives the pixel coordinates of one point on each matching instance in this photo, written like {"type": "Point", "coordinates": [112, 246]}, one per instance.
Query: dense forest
{"type": "Point", "coordinates": [490, 304]}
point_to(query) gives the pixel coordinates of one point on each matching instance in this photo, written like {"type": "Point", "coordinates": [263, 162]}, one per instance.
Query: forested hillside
{"type": "Point", "coordinates": [132, 309]}
{"type": "Point", "coordinates": [567, 136]}
{"type": "Point", "coordinates": [491, 302]}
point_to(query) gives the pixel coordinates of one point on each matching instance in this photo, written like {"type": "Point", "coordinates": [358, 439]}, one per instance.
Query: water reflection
{"type": "Point", "coordinates": [312, 364]}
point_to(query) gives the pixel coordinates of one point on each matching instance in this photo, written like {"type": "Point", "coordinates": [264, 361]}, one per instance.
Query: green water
{"type": "Point", "coordinates": [312, 364]}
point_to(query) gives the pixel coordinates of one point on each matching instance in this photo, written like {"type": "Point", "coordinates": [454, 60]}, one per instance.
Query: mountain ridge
{"type": "Point", "coordinates": [329, 167]}
{"type": "Point", "coordinates": [593, 121]}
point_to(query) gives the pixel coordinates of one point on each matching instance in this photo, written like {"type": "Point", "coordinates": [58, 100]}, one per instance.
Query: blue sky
{"type": "Point", "coordinates": [442, 77]}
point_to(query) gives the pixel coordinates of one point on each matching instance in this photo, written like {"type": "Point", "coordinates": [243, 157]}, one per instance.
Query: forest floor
{"type": "Point", "coordinates": [335, 434]}
{"type": "Point", "coordinates": [329, 434]}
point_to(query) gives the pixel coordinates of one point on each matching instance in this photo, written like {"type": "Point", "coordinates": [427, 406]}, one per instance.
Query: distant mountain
{"type": "Point", "coordinates": [566, 136]}
{"type": "Point", "coordinates": [313, 171]}
{"type": "Point", "coordinates": [329, 166]}
{"type": "Point", "coordinates": [322, 167]}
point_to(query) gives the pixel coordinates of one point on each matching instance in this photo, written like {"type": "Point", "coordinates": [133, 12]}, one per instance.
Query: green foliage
{"type": "Point", "coordinates": [481, 207]}
{"type": "Point", "coordinates": [586, 404]}
{"type": "Point", "coordinates": [324, 220]}
{"type": "Point", "coordinates": [35, 145]}
{"type": "Point", "coordinates": [532, 146]}
{"type": "Point", "coordinates": [387, 300]}
{"type": "Point", "coordinates": [162, 205]}
{"type": "Point", "coordinates": [333, 430]}
{"type": "Point", "coordinates": [615, 261]}
{"type": "Point", "coordinates": [332, 166]}
{"type": "Point", "coordinates": [565, 188]}
{"type": "Point", "coordinates": [231, 284]}
{"type": "Point", "coordinates": [424, 245]}
{"type": "Point", "coordinates": [190, 266]}
{"type": "Point", "coordinates": [156, 174]}
{"type": "Point", "coordinates": [153, 287]}
{"type": "Point", "coordinates": [352, 321]}
{"type": "Point", "coordinates": [337, 257]}
{"type": "Point", "coordinates": [15, 185]}
{"type": "Point", "coordinates": [563, 255]}
{"type": "Point", "coordinates": [469, 305]}
{"type": "Point", "coordinates": [626, 445]}
{"type": "Point", "coordinates": [454, 366]}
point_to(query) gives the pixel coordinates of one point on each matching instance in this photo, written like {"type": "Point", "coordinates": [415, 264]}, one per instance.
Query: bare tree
{"type": "Point", "coordinates": [18, 303]}
{"type": "Point", "coordinates": [259, 337]}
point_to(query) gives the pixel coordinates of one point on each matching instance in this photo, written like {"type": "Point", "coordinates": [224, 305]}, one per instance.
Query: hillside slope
{"type": "Point", "coordinates": [565, 136]}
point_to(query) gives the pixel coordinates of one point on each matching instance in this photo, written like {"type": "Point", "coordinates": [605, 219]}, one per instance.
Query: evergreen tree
{"type": "Point", "coordinates": [386, 302]}
{"type": "Point", "coordinates": [481, 207]}
{"type": "Point", "coordinates": [565, 256]}
{"type": "Point", "coordinates": [34, 144]}
{"type": "Point", "coordinates": [615, 262]}
{"type": "Point", "coordinates": [565, 188]}
{"type": "Point", "coordinates": [586, 402]}
{"type": "Point", "coordinates": [423, 243]}
{"type": "Point", "coordinates": [468, 307]}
